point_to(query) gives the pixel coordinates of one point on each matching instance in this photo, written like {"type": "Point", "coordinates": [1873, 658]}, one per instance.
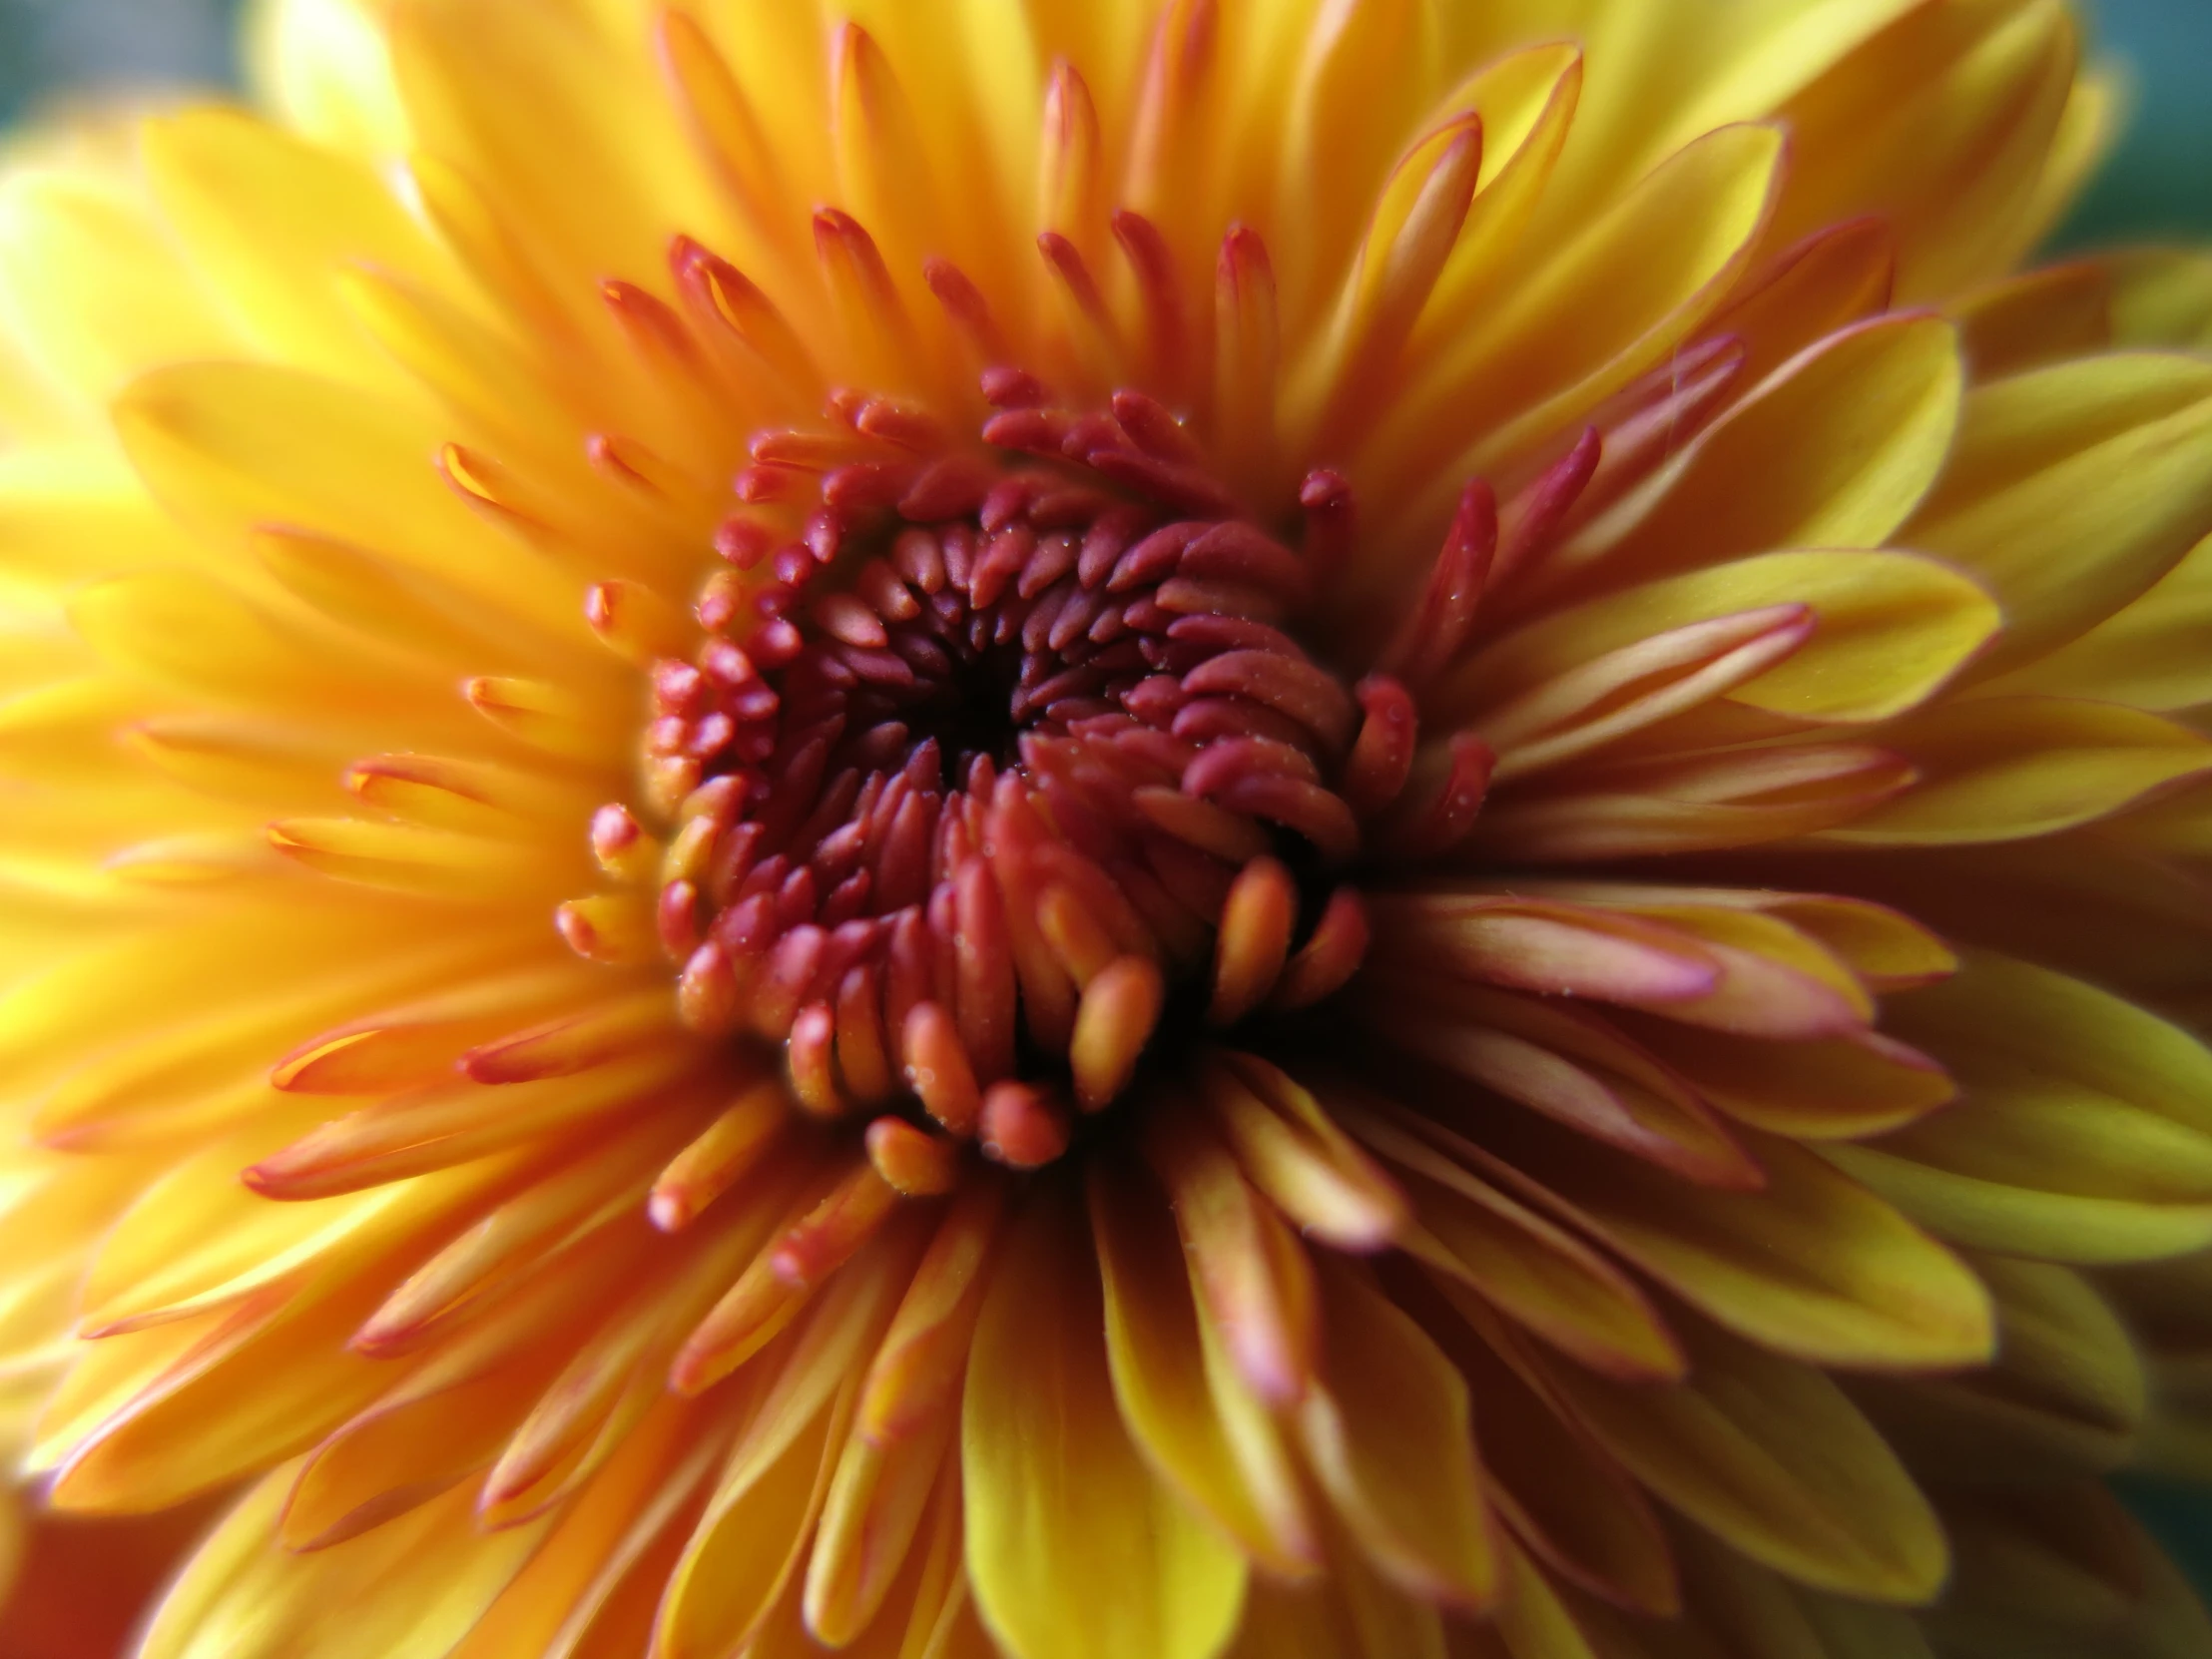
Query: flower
{"type": "Point", "coordinates": [1113, 830]}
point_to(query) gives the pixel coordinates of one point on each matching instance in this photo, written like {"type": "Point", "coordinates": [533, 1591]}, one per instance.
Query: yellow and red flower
{"type": "Point", "coordinates": [1285, 827]}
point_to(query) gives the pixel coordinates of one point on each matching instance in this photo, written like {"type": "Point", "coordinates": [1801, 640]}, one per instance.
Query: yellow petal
{"type": "Point", "coordinates": [1386, 1427]}
{"type": "Point", "coordinates": [1768, 1455]}
{"type": "Point", "coordinates": [2149, 655]}
{"type": "Point", "coordinates": [99, 292]}
{"type": "Point", "coordinates": [2067, 1569]}
{"type": "Point", "coordinates": [2064, 1396]}
{"type": "Point", "coordinates": [1813, 1265]}
{"type": "Point", "coordinates": [1557, 1490]}
{"type": "Point", "coordinates": [1752, 1611]}
{"type": "Point", "coordinates": [454, 1122]}
{"type": "Point", "coordinates": [406, 857]}
{"type": "Point", "coordinates": [2073, 489]}
{"type": "Point", "coordinates": [1566, 1063]}
{"type": "Point", "coordinates": [888, 1510]}
{"type": "Point", "coordinates": [2036, 319]}
{"type": "Point", "coordinates": [1836, 450]}
{"type": "Point", "coordinates": [1698, 801]}
{"type": "Point", "coordinates": [1532, 1268]}
{"type": "Point", "coordinates": [1074, 1550]}
{"type": "Point", "coordinates": [1347, 52]}
{"type": "Point", "coordinates": [445, 1422]}
{"type": "Point", "coordinates": [1840, 1088]}
{"type": "Point", "coordinates": [2003, 769]}
{"type": "Point", "coordinates": [2083, 1134]}
{"type": "Point", "coordinates": [2161, 296]}
{"type": "Point", "coordinates": [749, 1549]}
{"type": "Point", "coordinates": [230, 447]}
{"type": "Point", "coordinates": [564, 115]}
{"type": "Point", "coordinates": [1526, 101]}
{"type": "Point", "coordinates": [199, 1238]}
{"type": "Point", "coordinates": [746, 1548]}
{"type": "Point", "coordinates": [1952, 153]}
{"type": "Point", "coordinates": [1294, 1154]}
{"type": "Point", "coordinates": [53, 1019]}
{"type": "Point", "coordinates": [1348, 1614]}
{"type": "Point", "coordinates": [2004, 1020]}
{"type": "Point", "coordinates": [269, 220]}
{"type": "Point", "coordinates": [1890, 628]}
{"type": "Point", "coordinates": [323, 64]}
{"type": "Point", "coordinates": [185, 633]}
{"type": "Point", "coordinates": [1606, 309]}
{"type": "Point", "coordinates": [1191, 1417]}
{"type": "Point", "coordinates": [599, 1553]}
{"type": "Point", "coordinates": [2023, 1197]}
{"type": "Point", "coordinates": [163, 1415]}
{"type": "Point", "coordinates": [416, 1586]}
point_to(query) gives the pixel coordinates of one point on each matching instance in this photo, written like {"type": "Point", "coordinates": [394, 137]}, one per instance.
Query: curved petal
{"type": "Point", "coordinates": [1835, 450]}
{"type": "Point", "coordinates": [1890, 628]}
{"type": "Point", "coordinates": [1074, 1549]}
{"type": "Point", "coordinates": [2006, 769]}
{"type": "Point", "coordinates": [2073, 489]}
{"type": "Point", "coordinates": [1813, 1266]}
{"type": "Point", "coordinates": [1769, 1454]}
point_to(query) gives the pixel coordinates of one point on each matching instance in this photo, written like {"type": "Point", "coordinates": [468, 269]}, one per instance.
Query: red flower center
{"type": "Point", "coordinates": [995, 755]}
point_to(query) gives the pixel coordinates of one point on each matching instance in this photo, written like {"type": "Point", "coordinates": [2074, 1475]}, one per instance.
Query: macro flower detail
{"type": "Point", "coordinates": [1343, 827]}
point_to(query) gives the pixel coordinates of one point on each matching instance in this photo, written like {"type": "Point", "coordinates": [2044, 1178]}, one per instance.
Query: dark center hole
{"type": "Point", "coordinates": [969, 712]}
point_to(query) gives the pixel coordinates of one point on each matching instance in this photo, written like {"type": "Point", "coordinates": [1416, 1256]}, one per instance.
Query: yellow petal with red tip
{"type": "Point", "coordinates": [725, 1588]}
{"type": "Point", "coordinates": [170, 1416]}
{"type": "Point", "coordinates": [444, 1422]}
{"type": "Point", "coordinates": [1292, 1152]}
{"type": "Point", "coordinates": [581, 1584]}
{"type": "Point", "coordinates": [880, 1502]}
{"type": "Point", "coordinates": [413, 860]}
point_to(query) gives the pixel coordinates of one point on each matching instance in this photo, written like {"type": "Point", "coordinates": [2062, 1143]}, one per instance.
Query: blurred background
{"type": "Point", "coordinates": [2158, 184]}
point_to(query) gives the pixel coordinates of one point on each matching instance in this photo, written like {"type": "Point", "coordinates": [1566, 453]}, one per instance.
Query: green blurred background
{"type": "Point", "coordinates": [2158, 184]}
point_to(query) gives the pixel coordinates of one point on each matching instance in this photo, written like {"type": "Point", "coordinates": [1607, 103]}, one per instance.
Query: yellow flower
{"type": "Point", "coordinates": [1097, 829]}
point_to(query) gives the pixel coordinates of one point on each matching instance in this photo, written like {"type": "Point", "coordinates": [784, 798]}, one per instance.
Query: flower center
{"type": "Point", "coordinates": [995, 758]}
